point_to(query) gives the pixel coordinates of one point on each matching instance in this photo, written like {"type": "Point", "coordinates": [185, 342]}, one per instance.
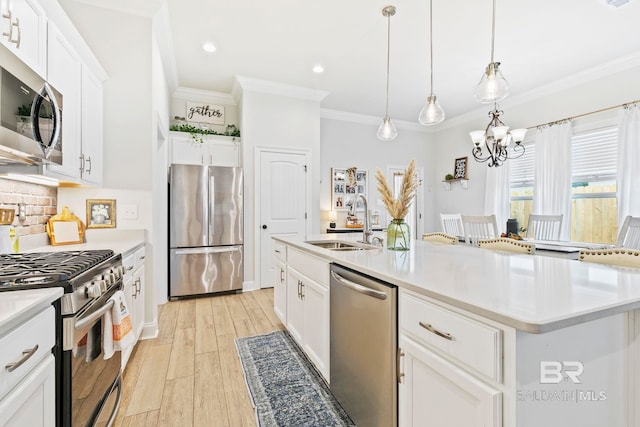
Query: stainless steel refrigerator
{"type": "Point", "coordinates": [205, 230]}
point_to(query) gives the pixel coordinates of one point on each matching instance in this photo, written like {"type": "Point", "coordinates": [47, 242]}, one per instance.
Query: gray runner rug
{"type": "Point", "coordinates": [285, 388]}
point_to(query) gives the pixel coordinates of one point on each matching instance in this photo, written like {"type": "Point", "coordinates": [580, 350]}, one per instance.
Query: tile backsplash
{"type": "Point", "coordinates": [40, 201]}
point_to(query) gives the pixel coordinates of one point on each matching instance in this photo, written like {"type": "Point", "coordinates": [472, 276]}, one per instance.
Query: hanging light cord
{"type": "Point", "coordinates": [493, 28]}
{"type": "Point", "coordinates": [431, 45]}
{"type": "Point", "coordinates": [386, 111]}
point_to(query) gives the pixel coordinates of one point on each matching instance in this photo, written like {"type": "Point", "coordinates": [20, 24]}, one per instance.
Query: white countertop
{"type": "Point", "coordinates": [529, 292]}
{"type": "Point", "coordinates": [18, 306]}
{"type": "Point", "coordinates": [120, 241]}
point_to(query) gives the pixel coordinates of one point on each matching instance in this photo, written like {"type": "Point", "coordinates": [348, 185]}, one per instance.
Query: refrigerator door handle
{"type": "Point", "coordinates": [214, 250]}
{"type": "Point", "coordinates": [212, 199]}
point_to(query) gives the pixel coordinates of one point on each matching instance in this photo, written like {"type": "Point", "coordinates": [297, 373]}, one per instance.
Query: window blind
{"type": "Point", "coordinates": [521, 168]}
{"type": "Point", "coordinates": [594, 154]}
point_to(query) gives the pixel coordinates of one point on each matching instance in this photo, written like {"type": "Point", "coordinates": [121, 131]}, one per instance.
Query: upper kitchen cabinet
{"type": "Point", "coordinates": [92, 110]}
{"type": "Point", "coordinates": [82, 112]}
{"type": "Point", "coordinates": [24, 32]}
{"type": "Point", "coordinates": [64, 71]}
{"type": "Point", "coordinates": [209, 150]}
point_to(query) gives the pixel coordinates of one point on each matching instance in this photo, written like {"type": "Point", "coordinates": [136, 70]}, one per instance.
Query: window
{"type": "Point", "coordinates": [521, 185]}
{"type": "Point", "coordinates": [594, 208]}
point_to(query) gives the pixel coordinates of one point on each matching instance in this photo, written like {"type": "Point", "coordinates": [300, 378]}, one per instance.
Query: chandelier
{"type": "Point", "coordinates": [492, 144]}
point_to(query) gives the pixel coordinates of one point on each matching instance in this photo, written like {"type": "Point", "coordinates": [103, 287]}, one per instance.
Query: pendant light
{"type": "Point", "coordinates": [432, 112]}
{"type": "Point", "coordinates": [493, 87]}
{"type": "Point", "coordinates": [387, 131]}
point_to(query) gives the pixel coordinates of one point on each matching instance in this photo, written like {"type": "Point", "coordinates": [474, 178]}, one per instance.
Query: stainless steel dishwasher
{"type": "Point", "coordinates": [364, 341]}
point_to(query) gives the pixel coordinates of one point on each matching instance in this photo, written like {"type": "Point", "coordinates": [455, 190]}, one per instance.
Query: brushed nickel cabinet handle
{"type": "Point", "coordinates": [26, 354]}
{"type": "Point", "coordinates": [17, 41]}
{"type": "Point", "coordinates": [433, 330]}
{"type": "Point", "coordinates": [281, 275]}
{"type": "Point", "coordinates": [301, 290]}
{"type": "Point", "coordinates": [399, 372]}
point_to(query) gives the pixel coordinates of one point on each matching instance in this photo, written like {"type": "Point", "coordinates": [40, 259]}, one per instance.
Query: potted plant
{"type": "Point", "coordinates": [448, 177]}
{"type": "Point", "coordinates": [180, 125]}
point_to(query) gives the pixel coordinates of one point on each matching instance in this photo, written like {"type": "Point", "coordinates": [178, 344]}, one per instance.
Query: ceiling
{"type": "Point", "coordinates": [537, 42]}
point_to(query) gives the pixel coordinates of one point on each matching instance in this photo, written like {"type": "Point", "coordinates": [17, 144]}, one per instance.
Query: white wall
{"type": "Point", "coordinates": [345, 144]}
{"type": "Point", "coordinates": [270, 120]}
{"type": "Point", "coordinates": [574, 96]}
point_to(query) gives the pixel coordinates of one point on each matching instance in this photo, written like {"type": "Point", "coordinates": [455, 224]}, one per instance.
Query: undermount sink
{"type": "Point", "coordinates": [334, 245]}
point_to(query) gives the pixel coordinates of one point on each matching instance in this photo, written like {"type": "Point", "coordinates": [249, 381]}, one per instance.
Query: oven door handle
{"type": "Point", "coordinates": [83, 323]}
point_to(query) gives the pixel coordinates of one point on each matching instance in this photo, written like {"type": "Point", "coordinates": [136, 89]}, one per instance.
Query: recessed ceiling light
{"type": "Point", "coordinates": [318, 69]}
{"type": "Point", "coordinates": [617, 3]}
{"type": "Point", "coordinates": [209, 47]}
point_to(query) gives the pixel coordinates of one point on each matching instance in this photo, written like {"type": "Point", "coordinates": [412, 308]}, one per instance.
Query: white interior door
{"type": "Point", "coordinates": [283, 202]}
{"type": "Point", "coordinates": [415, 216]}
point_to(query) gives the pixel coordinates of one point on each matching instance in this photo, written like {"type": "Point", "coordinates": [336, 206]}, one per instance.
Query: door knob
{"type": "Point", "coordinates": [264, 226]}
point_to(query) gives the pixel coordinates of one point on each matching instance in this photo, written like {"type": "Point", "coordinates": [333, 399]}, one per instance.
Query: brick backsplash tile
{"type": "Point", "coordinates": [41, 204]}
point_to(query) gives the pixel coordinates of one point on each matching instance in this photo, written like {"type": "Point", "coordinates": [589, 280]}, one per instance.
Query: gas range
{"type": "Point", "coordinates": [84, 275]}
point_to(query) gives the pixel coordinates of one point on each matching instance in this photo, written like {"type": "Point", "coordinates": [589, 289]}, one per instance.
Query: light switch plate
{"type": "Point", "coordinates": [129, 212]}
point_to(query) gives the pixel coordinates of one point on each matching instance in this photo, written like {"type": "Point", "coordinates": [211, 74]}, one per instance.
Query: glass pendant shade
{"type": "Point", "coordinates": [432, 112]}
{"type": "Point", "coordinates": [477, 136]}
{"type": "Point", "coordinates": [518, 135]}
{"type": "Point", "coordinates": [492, 87]}
{"type": "Point", "coordinates": [387, 130]}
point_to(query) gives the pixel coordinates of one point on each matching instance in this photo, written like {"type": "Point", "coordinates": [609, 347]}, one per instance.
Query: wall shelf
{"type": "Point", "coordinates": [464, 183]}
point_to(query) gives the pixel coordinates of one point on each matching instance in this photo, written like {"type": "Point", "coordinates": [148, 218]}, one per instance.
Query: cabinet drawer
{"type": "Point", "coordinates": [280, 251]}
{"type": "Point", "coordinates": [128, 262]}
{"type": "Point", "coordinates": [38, 331]}
{"type": "Point", "coordinates": [473, 343]}
{"type": "Point", "coordinates": [139, 257]}
{"type": "Point", "coordinates": [312, 267]}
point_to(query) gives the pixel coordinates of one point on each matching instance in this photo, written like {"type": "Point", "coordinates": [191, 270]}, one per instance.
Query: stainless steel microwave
{"type": "Point", "coordinates": [30, 115]}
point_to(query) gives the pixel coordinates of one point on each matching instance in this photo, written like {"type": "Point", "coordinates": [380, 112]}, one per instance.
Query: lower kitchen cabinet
{"type": "Point", "coordinates": [301, 300]}
{"type": "Point", "coordinates": [434, 392]}
{"type": "Point", "coordinates": [133, 262]}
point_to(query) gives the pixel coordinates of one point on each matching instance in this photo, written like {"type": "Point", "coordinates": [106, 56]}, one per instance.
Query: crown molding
{"type": "Point", "coordinates": [365, 119]}
{"type": "Point", "coordinates": [204, 95]}
{"type": "Point", "coordinates": [142, 8]}
{"type": "Point", "coordinates": [251, 84]}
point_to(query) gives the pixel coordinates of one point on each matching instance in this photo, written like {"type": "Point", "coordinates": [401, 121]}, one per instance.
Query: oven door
{"type": "Point", "coordinates": [95, 382]}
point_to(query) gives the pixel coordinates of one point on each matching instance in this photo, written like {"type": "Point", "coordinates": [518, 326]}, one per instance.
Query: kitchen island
{"type": "Point", "coordinates": [533, 340]}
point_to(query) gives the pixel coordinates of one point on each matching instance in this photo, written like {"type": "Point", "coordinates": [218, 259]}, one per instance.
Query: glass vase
{"type": "Point", "coordinates": [398, 235]}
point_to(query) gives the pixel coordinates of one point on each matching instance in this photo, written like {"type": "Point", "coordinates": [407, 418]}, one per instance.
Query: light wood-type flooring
{"type": "Point", "coordinates": [190, 375]}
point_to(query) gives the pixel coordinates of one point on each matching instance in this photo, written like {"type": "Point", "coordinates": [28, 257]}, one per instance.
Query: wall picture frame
{"type": "Point", "coordinates": [101, 213]}
{"type": "Point", "coordinates": [460, 168]}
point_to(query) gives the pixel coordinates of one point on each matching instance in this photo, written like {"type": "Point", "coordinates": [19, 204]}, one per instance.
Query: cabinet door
{"type": "Point", "coordinates": [434, 392]}
{"type": "Point", "coordinates": [64, 68]}
{"type": "Point", "coordinates": [91, 127]}
{"type": "Point", "coordinates": [186, 151]}
{"type": "Point", "coordinates": [222, 152]}
{"type": "Point", "coordinates": [280, 291]}
{"type": "Point", "coordinates": [32, 402]}
{"type": "Point", "coordinates": [295, 305]}
{"type": "Point", "coordinates": [129, 297]}
{"type": "Point", "coordinates": [138, 301]}
{"type": "Point", "coordinates": [316, 324]}
{"type": "Point", "coordinates": [25, 24]}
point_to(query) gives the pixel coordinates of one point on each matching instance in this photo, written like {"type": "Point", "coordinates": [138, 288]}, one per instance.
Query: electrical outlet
{"type": "Point", "coordinates": [129, 212]}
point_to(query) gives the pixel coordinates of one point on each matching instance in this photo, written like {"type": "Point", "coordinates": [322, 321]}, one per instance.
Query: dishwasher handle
{"type": "Point", "coordinates": [358, 288]}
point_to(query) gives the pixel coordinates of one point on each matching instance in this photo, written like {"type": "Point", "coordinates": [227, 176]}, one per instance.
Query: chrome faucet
{"type": "Point", "coordinates": [366, 229]}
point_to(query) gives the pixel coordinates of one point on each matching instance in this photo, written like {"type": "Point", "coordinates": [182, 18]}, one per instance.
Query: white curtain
{"type": "Point", "coordinates": [496, 195]}
{"type": "Point", "coordinates": [552, 183]}
{"type": "Point", "coordinates": [628, 161]}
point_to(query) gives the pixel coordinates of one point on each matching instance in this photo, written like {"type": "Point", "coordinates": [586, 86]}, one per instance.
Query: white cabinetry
{"type": "Point", "coordinates": [133, 263]}
{"type": "Point", "coordinates": [307, 310]}
{"type": "Point", "coordinates": [451, 367]}
{"type": "Point", "coordinates": [214, 150]}
{"type": "Point", "coordinates": [64, 74]}
{"type": "Point", "coordinates": [280, 281]}
{"type": "Point", "coordinates": [27, 380]}
{"type": "Point", "coordinates": [24, 32]}
{"type": "Point", "coordinates": [82, 113]}
{"type": "Point", "coordinates": [91, 142]}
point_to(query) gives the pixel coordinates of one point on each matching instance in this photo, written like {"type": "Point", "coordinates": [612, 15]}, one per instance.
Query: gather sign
{"type": "Point", "coordinates": [204, 113]}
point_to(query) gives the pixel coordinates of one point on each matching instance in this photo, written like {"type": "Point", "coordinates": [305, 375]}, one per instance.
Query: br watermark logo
{"type": "Point", "coordinates": [556, 372]}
